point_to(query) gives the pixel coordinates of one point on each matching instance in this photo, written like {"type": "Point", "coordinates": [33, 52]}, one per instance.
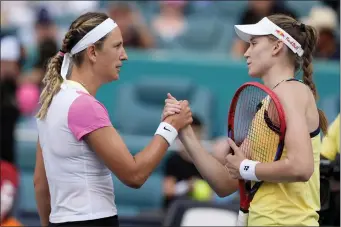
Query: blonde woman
{"type": "Point", "coordinates": [78, 147]}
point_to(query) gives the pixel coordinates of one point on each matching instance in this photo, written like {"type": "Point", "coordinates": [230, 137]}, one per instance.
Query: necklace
{"type": "Point", "coordinates": [290, 79]}
{"type": "Point", "coordinates": [278, 84]}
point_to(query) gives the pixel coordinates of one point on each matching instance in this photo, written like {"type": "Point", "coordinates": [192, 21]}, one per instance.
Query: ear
{"type": "Point", "coordinates": [278, 46]}
{"type": "Point", "coordinates": [91, 52]}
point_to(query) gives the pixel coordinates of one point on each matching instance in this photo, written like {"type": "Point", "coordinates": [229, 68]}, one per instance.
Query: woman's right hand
{"type": "Point", "coordinates": [172, 106]}
{"type": "Point", "coordinates": [180, 119]}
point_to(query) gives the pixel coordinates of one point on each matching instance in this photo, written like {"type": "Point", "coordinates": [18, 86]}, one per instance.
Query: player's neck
{"type": "Point", "coordinates": [86, 79]}
{"type": "Point", "coordinates": [276, 74]}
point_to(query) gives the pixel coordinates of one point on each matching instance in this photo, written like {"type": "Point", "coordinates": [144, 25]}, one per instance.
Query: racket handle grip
{"type": "Point", "coordinates": [242, 218]}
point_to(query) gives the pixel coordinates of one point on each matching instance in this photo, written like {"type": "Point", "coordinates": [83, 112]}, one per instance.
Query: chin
{"type": "Point", "coordinates": [254, 74]}
{"type": "Point", "coordinates": [114, 77]}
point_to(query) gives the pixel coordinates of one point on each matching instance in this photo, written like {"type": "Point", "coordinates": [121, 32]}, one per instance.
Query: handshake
{"type": "Point", "coordinates": [176, 113]}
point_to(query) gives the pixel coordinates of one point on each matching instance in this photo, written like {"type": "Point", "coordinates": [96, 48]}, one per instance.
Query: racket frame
{"type": "Point", "coordinates": [245, 190]}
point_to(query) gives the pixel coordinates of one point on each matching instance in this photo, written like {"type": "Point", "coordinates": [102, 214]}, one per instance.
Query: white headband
{"type": "Point", "coordinates": [91, 37]}
{"type": "Point", "coordinates": [267, 27]}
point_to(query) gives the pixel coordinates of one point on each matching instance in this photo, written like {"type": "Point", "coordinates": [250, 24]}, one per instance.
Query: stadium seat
{"type": "Point", "coordinates": [26, 202]}
{"type": "Point", "coordinates": [26, 135]}
{"type": "Point", "coordinates": [202, 8]}
{"type": "Point", "coordinates": [209, 35]}
{"type": "Point", "coordinates": [139, 105]}
{"type": "Point", "coordinates": [302, 8]}
{"type": "Point", "coordinates": [230, 10]}
{"type": "Point", "coordinates": [26, 155]}
{"type": "Point", "coordinates": [193, 213]}
{"type": "Point", "coordinates": [331, 106]}
{"type": "Point", "coordinates": [132, 201]}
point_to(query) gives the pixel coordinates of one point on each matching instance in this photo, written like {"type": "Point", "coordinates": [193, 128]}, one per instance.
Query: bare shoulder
{"type": "Point", "coordinates": [293, 94]}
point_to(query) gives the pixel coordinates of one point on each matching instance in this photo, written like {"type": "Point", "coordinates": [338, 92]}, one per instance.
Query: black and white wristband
{"type": "Point", "coordinates": [247, 170]}
{"type": "Point", "coordinates": [167, 131]}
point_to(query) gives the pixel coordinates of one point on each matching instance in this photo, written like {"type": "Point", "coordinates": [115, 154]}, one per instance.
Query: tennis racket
{"type": "Point", "coordinates": [256, 123]}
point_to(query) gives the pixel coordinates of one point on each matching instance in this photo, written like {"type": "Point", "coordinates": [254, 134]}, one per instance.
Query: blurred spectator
{"type": "Point", "coordinates": [171, 21]}
{"type": "Point", "coordinates": [9, 184]}
{"type": "Point", "coordinates": [16, 13]}
{"type": "Point", "coordinates": [44, 46]}
{"type": "Point", "coordinates": [46, 49]}
{"type": "Point", "coordinates": [45, 27]}
{"type": "Point", "coordinates": [335, 5]}
{"type": "Point", "coordinates": [331, 141]}
{"type": "Point", "coordinates": [14, 98]}
{"type": "Point", "coordinates": [330, 149]}
{"type": "Point", "coordinates": [132, 25]}
{"type": "Point", "coordinates": [255, 12]}
{"type": "Point", "coordinates": [324, 19]}
{"type": "Point", "coordinates": [10, 71]}
{"type": "Point", "coordinates": [180, 172]}
{"type": "Point", "coordinates": [67, 8]}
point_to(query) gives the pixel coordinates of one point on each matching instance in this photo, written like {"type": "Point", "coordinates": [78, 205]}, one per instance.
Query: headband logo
{"type": "Point", "coordinates": [292, 43]}
{"type": "Point", "coordinates": [279, 32]}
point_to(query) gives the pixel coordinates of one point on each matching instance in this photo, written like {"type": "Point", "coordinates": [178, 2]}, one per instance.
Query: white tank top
{"type": "Point", "coordinates": [81, 186]}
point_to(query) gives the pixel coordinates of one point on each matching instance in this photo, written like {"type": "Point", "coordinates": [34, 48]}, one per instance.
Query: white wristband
{"type": "Point", "coordinates": [247, 170]}
{"type": "Point", "coordinates": [167, 131]}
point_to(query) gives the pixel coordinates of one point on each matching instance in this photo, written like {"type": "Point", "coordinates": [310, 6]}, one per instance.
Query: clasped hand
{"type": "Point", "coordinates": [233, 161]}
{"type": "Point", "coordinates": [177, 113]}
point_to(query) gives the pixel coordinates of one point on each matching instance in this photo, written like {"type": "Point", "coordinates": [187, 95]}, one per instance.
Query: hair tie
{"type": "Point", "coordinates": [302, 26]}
{"type": "Point", "coordinates": [61, 53]}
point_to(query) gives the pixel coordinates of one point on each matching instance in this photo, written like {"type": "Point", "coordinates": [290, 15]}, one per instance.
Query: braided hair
{"type": "Point", "coordinates": [307, 36]}
{"type": "Point", "coordinates": [52, 79]}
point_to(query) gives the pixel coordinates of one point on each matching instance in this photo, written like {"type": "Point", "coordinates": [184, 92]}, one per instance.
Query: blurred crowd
{"type": "Point", "coordinates": [168, 24]}
{"type": "Point", "coordinates": [39, 26]}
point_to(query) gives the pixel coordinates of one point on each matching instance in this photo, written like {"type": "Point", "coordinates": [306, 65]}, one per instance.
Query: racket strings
{"type": "Point", "coordinates": [256, 125]}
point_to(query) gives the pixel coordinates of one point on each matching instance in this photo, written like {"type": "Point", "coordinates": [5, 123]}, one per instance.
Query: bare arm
{"type": "Point", "coordinates": [299, 163]}
{"type": "Point", "coordinates": [133, 170]}
{"type": "Point", "coordinates": [42, 193]}
{"type": "Point", "coordinates": [210, 166]}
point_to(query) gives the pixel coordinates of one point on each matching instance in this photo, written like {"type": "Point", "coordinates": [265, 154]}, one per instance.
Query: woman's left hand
{"type": "Point", "coordinates": [233, 161]}
{"type": "Point", "coordinates": [172, 106]}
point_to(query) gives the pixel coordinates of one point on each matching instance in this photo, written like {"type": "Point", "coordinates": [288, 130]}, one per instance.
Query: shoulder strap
{"type": "Point", "coordinates": [294, 79]}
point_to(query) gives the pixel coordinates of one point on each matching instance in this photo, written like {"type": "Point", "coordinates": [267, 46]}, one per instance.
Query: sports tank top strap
{"type": "Point", "coordinates": [316, 131]}
{"type": "Point", "coordinates": [294, 79]}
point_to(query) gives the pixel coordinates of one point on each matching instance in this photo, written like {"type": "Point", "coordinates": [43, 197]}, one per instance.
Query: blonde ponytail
{"type": "Point", "coordinates": [52, 82]}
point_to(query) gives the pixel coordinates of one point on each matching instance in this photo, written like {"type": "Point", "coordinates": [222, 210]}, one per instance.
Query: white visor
{"type": "Point", "coordinates": [267, 27]}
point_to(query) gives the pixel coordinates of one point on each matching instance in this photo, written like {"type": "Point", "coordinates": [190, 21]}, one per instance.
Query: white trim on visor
{"type": "Point", "coordinates": [91, 37]}
{"type": "Point", "coordinates": [267, 27]}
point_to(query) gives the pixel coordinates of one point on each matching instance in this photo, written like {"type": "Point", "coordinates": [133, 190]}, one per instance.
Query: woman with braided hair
{"type": "Point", "coordinates": [78, 147]}
{"type": "Point", "coordinates": [290, 193]}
